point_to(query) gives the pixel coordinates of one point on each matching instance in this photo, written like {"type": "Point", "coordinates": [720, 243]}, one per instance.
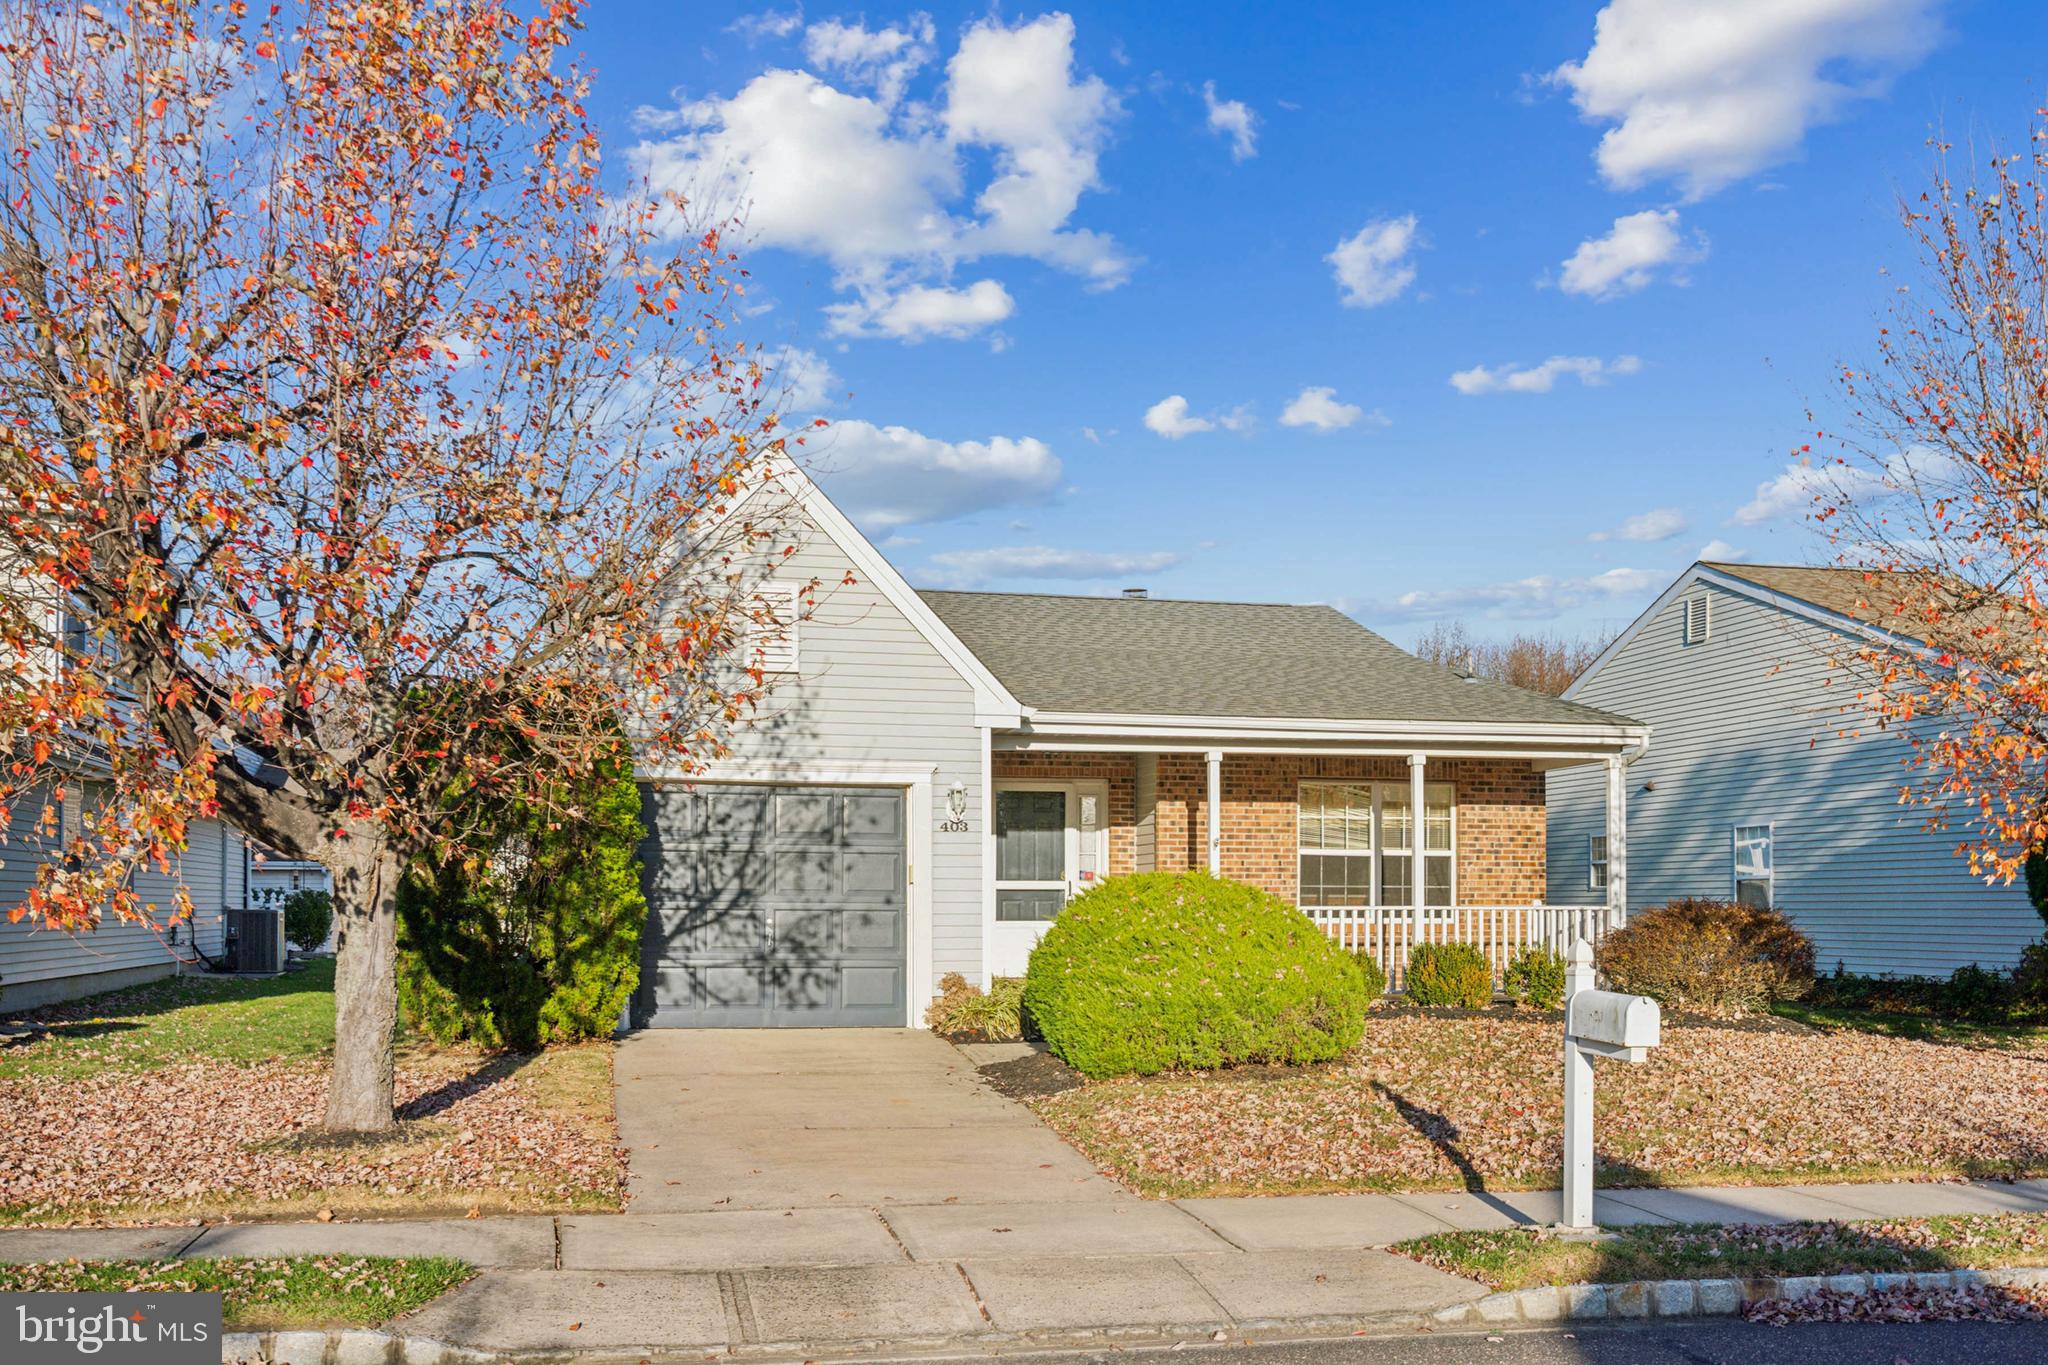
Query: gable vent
{"type": "Point", "coordinates": [1697, 619]}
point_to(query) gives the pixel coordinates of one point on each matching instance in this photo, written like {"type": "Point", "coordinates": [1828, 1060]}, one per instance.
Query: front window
{"type": "Point", "coordinates": [1357, 845]}
{"type": "Point", "coordinates": [1753, 861]}
{"type": "Point", "coordinates": [1596, 858]}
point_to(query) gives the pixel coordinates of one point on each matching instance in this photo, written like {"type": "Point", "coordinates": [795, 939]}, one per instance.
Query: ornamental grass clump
{"type": "Point", "coordinates": [1449, 974]}
{"type": "Point", "coordinates": [1712, 957]}
{"type": "Point", "coordinates": [1166, 971]}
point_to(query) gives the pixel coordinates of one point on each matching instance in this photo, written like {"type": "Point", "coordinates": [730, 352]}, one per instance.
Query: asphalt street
{"type": "Point", "coordinates": [1720, 1343]}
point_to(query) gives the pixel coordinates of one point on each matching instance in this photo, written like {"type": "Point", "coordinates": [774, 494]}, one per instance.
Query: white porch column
{"type": "Point", "coordinates": [1617, 839]}
{"type": "Point", "coordinates": [1417, 895]}
{"type": "Point", "coordinates": [1215, 812]}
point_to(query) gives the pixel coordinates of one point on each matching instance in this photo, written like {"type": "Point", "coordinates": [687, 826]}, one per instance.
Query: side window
{"type": "Point", "coordinates": [1753, 862]}
{"type": "Point", "coordinates": [1596, 861]}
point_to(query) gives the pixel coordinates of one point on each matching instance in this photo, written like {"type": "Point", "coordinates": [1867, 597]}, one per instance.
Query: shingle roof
{"type": "Point", "coordinates": [1157, 656]}
{"type": "Point", "coordinates": [1880, 599]}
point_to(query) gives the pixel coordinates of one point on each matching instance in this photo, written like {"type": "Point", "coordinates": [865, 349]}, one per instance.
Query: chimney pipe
{"type": "Point", "coordinates": [1136, 594]}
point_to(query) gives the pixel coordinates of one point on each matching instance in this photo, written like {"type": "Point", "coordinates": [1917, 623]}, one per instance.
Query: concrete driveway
{"type": "Point", "coordinates": [730, 1119]}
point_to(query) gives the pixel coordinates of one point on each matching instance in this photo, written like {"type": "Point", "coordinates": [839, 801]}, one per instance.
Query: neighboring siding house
{"type": "Point", "coordinates": [1765, 780]}
{"type": "Point", "coordinates": [38, 965]}
{"type": "Point", "coordinates": [934, 774]}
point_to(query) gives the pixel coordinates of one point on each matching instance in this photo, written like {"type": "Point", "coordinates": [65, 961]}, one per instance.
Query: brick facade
{"type": "Point", "coordinates": [1500, 814]}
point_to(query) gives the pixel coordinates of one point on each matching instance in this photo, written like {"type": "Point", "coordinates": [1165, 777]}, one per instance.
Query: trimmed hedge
{"type": "Point", "coordinates": [1372, 974]}
{"type": "Point", "coordinates": [1715, 957]}
{"type": "Point", "coordinates": [538, 943]}
{"type": "Point", "coordinates": [308, 915]}
{"type": "Point", "coordinates": [1449, 974]}
{"type": "Point", "coordinates": [1535, 976]}
{"type": "Point", "coordinates": [1165, 971]}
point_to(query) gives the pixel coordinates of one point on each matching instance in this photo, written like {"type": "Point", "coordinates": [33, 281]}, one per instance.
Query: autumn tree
{"type": "Point", "coordinates": [1934, 487]}
{"type": "Point", "coordinates": [1542, 663]}
{"type": "Point", "coordinates": [345, 411]}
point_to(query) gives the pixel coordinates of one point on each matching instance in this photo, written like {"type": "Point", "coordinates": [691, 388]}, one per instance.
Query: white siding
{"type": "Point", "coordinates": [1759, 723]}
{"type": "Point", "coordinates": [871, 689]}
{"type": "Point", "coordinates": [30, 954]}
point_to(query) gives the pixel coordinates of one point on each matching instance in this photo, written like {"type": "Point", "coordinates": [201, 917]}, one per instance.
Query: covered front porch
{"type": "Point", "coordinates": [1325, 821]}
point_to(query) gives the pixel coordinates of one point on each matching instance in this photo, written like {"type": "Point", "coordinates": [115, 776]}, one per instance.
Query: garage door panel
{"type": "Point", "coordinates": [871, 877]}
{"type": "Point", "coordinates": [869, 933]}
{"type": "Point", "coordinates": [775, 906]}
{"type": "Point", "coordinates": [874, 819]}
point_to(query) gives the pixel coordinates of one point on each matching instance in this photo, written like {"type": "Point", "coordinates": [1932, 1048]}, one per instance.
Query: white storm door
{"type": "Point", "coordinates": [1037, 851]}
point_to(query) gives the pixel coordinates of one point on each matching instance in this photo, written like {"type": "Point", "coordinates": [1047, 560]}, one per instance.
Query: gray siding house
{"type": "Point", "coordinates": [1765, 780]}
{"type": "Point", "coordinates": [932, 775]}
{"type": "Point", "coordinates": [39, 966]}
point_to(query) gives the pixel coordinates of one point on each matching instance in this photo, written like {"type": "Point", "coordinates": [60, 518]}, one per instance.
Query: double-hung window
{"type": "Point", "coordinates": [1753, 861]}
{"type": "Point", "coordinates": [1357, 845]}
{"type": "Point", "coordinates": [1596, 860]}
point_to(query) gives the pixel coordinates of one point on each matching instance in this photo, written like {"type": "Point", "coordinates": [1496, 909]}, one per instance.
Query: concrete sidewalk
{"type": "Point", "coordinates": [971, 1275]}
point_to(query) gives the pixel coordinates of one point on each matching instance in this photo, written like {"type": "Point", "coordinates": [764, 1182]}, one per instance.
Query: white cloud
{"type": "Point", "coordinates": [877, 184]}
{"type": "Point", "coordinates": [767, 24]}
{"type": "Point", "coordinates": [884, 59]}
{"type": "Point", "coordinates": [1718, 551]}
{"type": "Point", "coordinates": [919, 311]}
{"type": "Point", "coordinates": [1588, 369]}
{"type": "Point", "coordinates": [888, 477]}
{"type": "Point", "coordinates": [1232, 119]}
{"type": "Point", "coordinates": [1372, 265]}
{"type": "Point", "coordinates": [1659, 523]}
{"type": "Point", "coordinates": [1706, 93]}
{"type": "Point", "coordinates": [1319, 408]}
{"type": "Point", "coordinates": [967, 568]}
{"type": "Point", "coordinates": [1533, 598]}
{"type": "Point", "coordinates": [1239, 418]}
{"type": "Point", "coordinates": [1169, 418]}
{"type": "Point", "coordinates": [805, 378]}
{"type": "Point", "coordinates": [1794, 492]}
{"type": "Point", "coordinates": [1631, 255]}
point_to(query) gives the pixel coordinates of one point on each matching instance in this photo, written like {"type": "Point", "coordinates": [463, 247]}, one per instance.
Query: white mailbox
{"type": "Point", "coordinates": [1610, 1024]}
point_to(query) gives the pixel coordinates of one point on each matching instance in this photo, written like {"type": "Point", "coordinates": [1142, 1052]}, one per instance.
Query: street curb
{"type": "Point", "coordinates": [351, 1347]}
{"type": "Point", "coordinates": [1634, 1299]}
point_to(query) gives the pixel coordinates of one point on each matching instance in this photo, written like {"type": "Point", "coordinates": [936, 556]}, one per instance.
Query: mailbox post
{"type": "Point", "coordinates": [1596, 1024]}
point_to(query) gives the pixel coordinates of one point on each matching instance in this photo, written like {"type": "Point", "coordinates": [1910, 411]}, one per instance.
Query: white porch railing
{"type": "Point", "coordinates": [1389, 932]}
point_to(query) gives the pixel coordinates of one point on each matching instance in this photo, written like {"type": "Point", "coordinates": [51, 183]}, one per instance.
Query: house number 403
{"type": "Point", "coordinates": [954, 825]}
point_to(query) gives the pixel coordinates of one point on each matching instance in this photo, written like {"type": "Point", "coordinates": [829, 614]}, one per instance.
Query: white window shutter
{"type": "Point", "coordinates": [772, 640]}
{"type": "Point", "coordinates": [1696, 619]}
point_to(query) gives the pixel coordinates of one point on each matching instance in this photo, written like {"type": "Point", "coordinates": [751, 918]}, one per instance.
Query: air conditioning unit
{"type": "Point", "coordinates": [255, 942]}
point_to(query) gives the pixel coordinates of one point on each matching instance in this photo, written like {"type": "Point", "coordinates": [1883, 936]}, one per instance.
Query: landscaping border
{"type": "Point", "coordinates": [1709, 1298]}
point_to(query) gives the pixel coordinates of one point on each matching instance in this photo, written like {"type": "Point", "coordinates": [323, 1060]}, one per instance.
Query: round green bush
{"type": "Point", "coordinates": [1371, 973]}
{"type": "Point", "coordinates": [308, 915]}
{"type": "Point", "coordinates": [1535, 976]}
{"type": "Point", "coordinates": [1449, 974]}
{"type": "Point", "coordinates": [537, 943]}
{"type": "Point", "coordinates": [1167, 971]}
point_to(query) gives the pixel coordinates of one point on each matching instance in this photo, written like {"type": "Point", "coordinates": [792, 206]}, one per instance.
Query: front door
{"type": "Point", "coordinates": [1050, 838]}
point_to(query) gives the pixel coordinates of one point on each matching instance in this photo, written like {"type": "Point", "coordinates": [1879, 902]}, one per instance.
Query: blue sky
{"type": "Point", "coordinates": [995, 246]}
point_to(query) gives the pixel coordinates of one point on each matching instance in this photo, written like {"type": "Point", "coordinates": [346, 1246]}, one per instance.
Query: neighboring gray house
{"type": "Point", "coordinates": [38, 966]}
{"type": "Point", "coordinates": [1765, 780]}
{"type": "Point", "coordinates": [934, 774]}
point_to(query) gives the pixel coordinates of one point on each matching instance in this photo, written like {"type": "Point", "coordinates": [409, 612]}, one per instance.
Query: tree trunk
{"type": "Point", "coordinates": [359, 1094]}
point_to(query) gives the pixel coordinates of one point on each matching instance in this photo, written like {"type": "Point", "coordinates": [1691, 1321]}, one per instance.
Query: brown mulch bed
{"type": "Point", "coordinates": [1433, 1102]}
{"type": "Point", "coordinates": [1033, 1077]}
{"type": "Point", "coordinates": [188, 1140]}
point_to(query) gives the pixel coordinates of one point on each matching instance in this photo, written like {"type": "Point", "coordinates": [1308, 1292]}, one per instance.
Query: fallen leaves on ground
{"type": "Point", "coordinates": [1428, 1102]}
{"type": "Point", "coordinates": [196, 1135]}
{"type": "Point", "coordinates": [1985, 1304]}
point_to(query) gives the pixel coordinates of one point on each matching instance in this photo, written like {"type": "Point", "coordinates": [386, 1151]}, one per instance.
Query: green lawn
{"type": "Point", "coordinates": [1525, 1257]}
{"type": "Point", "coordinates": [181, 1019]}
{"type": "Point", "coordinates": [263, 1293]}
{"type": "Point", "coordinates": [1921, 1027]}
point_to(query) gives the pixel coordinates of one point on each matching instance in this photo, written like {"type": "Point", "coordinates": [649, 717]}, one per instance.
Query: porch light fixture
{"type": "Point", "coordinates": [956, 800]}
